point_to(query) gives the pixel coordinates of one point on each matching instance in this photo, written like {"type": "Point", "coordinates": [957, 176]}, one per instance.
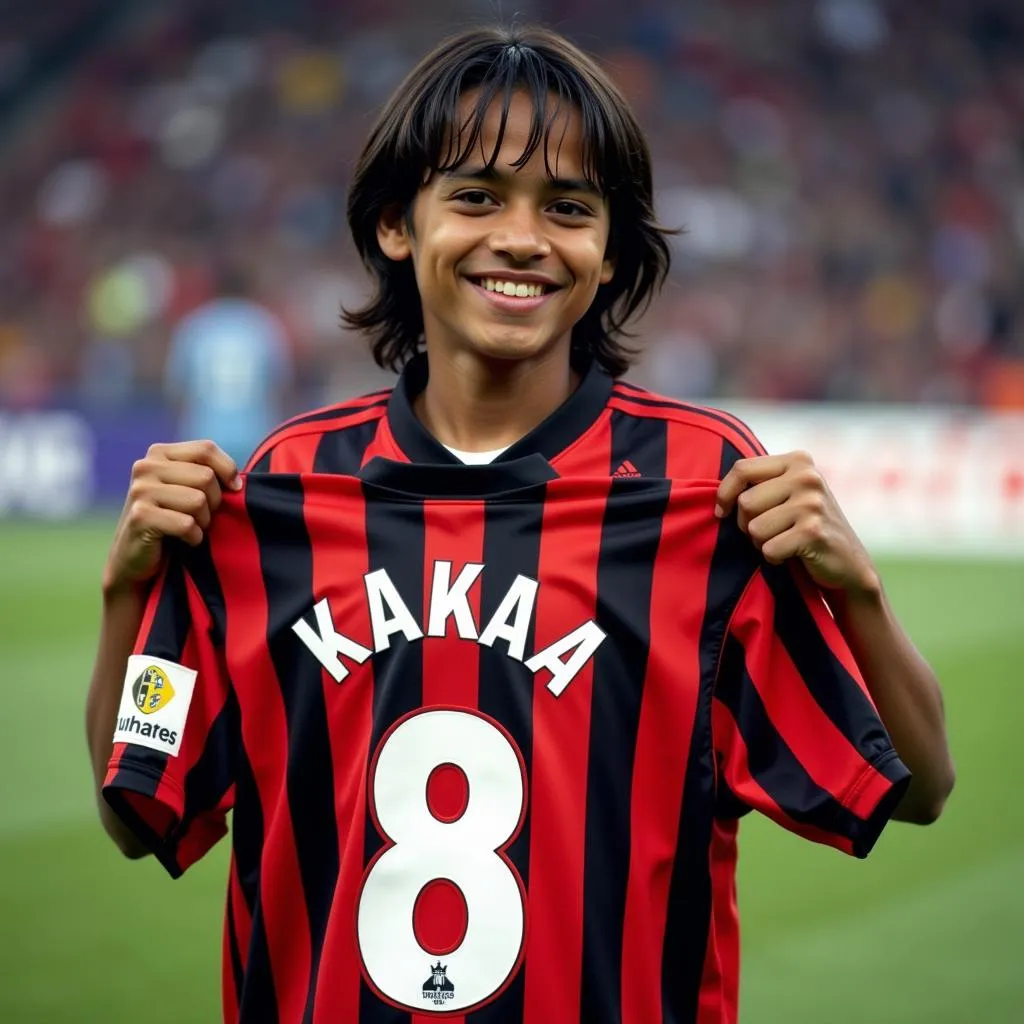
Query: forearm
{"type": "Point", "coordinates": [122, 616]}
{"type": "Point", "coordinates": [906, 693]}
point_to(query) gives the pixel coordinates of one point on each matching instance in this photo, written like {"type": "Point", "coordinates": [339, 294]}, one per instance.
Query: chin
{"type": "Point", "coordinates": [511, 348]}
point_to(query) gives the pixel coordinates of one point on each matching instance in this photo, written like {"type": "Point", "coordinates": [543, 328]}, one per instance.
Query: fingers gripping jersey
{"type": "Point", "coordinates": [480, 744]}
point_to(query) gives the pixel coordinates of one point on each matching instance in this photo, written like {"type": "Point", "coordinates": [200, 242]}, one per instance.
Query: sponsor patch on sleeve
{"type": "Point", "coordinates": [154, 703]}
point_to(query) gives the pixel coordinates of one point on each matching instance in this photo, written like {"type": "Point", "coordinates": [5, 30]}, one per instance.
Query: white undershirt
{"type": "Point", "coordinates": [476, 458]}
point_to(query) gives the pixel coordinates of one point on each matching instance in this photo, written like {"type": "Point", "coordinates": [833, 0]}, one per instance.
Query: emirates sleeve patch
{"type": "Point", "coordinates": [154, 704]}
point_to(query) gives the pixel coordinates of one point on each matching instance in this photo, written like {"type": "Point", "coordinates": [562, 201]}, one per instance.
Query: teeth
{"type": "Point", "coordinates": [519, 291]}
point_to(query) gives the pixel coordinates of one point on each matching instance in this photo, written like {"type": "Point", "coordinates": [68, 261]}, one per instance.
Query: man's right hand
{"type": "Point", "coordinates": [174, 491]}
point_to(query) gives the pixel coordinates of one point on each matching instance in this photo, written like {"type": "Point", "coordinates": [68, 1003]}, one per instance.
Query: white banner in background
{"type": "Point", "coordinates": [46, 464]}
{"type": "Point", "coordinates": [911, 480]}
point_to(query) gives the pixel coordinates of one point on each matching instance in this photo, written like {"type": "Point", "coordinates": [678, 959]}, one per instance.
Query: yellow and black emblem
{"type": "Point", "coordinates": [152, 690]}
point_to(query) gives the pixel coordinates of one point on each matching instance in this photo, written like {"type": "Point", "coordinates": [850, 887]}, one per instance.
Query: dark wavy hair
{"type": "Point", "coordinates": [418, 134]}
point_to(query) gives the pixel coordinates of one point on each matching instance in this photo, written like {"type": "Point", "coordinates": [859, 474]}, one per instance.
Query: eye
{"type": "Point", "coordinates": [474, 197]}
{"type": "Point", "coordinates": [569, 208]}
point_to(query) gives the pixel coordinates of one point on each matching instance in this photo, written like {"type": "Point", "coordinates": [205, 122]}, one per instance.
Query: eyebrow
{"type": "Point", "coordinates": [493, 174]}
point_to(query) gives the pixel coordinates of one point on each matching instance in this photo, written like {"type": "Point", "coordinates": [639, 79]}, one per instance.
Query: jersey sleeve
{"type": "Point", "coordinates": [797, 736]}
{"type": "Point", "coordinates": [171, 772]}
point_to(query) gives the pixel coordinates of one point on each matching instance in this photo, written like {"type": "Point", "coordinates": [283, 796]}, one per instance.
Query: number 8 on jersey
{"type": "Point", "coordinates": [464, 850]}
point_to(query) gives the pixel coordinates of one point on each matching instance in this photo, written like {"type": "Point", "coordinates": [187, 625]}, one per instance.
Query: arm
{"type": "Point", "coordinates": [787, 509]}
{"type": "Point", "coordinates": [122, 617]}
{"type": "Point", "coordinates": [173, 493]}
{"type": "Point", "coordinates": [906, 694]}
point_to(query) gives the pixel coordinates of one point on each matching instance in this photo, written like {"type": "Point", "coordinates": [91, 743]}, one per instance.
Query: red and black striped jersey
{"type": "Point", "coordinates": [486, 731]}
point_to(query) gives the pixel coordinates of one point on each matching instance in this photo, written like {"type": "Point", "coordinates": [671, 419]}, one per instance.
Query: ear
{"type": "Point", "coordinates": [393, 233]}
{"type": "Point", "coordinates": [607, 269]}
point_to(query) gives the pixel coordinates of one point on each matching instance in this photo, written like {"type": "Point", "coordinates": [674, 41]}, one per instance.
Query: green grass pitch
{"type": "Point", "coordinates": [929, 929]}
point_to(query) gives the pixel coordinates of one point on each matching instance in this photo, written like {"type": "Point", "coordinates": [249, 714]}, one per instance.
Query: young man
{"type": "Point", "coordinates": [489, 666]}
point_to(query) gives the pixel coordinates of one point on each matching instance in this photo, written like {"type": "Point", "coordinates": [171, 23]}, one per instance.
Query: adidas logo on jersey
{"type": "Point", "coordinates": [626, 471]}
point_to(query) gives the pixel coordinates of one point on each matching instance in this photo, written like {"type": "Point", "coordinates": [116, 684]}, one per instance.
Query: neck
{"type": "Point", "coordinates": [478, 406]}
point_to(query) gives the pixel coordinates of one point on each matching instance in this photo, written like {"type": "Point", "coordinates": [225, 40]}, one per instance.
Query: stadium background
{"type": "Point", "coordinates": [851, 177]}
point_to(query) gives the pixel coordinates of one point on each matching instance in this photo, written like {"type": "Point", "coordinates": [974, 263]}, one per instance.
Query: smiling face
{"type": "Point", "coordinates": [507, 259]}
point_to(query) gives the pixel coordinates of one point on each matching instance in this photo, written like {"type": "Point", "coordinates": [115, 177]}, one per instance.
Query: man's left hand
{"type": "Point", "coordinates": [783, 503]}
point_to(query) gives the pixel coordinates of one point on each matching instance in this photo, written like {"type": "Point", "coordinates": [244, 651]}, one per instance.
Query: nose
{"type": "Point", "coordinates": [518, 233]}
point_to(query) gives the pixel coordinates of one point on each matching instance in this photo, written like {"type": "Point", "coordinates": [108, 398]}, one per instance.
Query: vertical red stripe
{"type": "Point", "coordinates": [170, 790]}
{"type": "Point", "coordinates": [167, 804]}
{"type": "Point", "coordinates": [205, 831]}
{"type": "Point", "coordinates": [384, 445]}
{"type": "Point", "coordinates": [337, 532]}
{"type": "Point", "coordinates": [358, 411]}
{"type": "Point", "coordinates": [671, 689]}
{"type": "Point", "coordinates": [207, 703]}
{"type": "Point", "coordinates": [340, 409]}
{"type": "Point", "coordinates": [589, 454]}
{"type": "Point", "coordinates": [453, 533]}
{"type": "Point", "coordinates": [826, 753]}
{"type": "Point", "coordinates": [719, 986]}
{"type": "Point", "coordinates": [827, 625]}
{"type": "Point", "coordinates": [715, 420]}
{"type": "Point", "coordinates": [569, 548]}
{"type": "Point", "coordinates": [743, 783]}
{"type": "Point", "coordinates": [265, 737]}
{"type": "Point", "coordinates": [152, 604]}
{"type": "Point", "coordinates": [296, 454]}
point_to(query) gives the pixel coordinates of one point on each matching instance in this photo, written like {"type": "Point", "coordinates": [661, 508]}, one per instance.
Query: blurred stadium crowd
{"type": "Point", "coordinates": [849, 175]}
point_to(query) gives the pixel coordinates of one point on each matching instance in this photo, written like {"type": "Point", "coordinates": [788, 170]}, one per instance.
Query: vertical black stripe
{"type": "Point", "coordinates": [728, 806]}
{"type": "Point", "coordinates": [631, 393]}
{"type": "Point", "coordinates": [824, 675]}
{"type": "Point", "coordinates": [247, 831]}
{"type": "Point", "coordinates": [395, 535]}
{"type": "Point", "coordinates": [630, 535]}
{"type": "Point", "coordinates": [263, 466]}
{"type": "Point", "coordinates": [286, 559]}
{"type": "Point", "coordinates": [234, 956]}
{"type": "Point", "coordinates": [214, 771]}
{"type": "Point", "coordinates": [258, 1004]}
{"type": "Point", "coordinates": [256, 998]}
{"type": "Point", "coordinates": [775, 766]}
{"type": "Point", "coordinates": [334, 412]}
{"type": "Point", "coordinates": [341, 451]}
{"type": "Point", "coordinates": [168, 634]}
{"type": "Point", "coordinates": [639, 441]}
{"type": "Point", "coordinates": [733, 562]}
{"type": "Point", "coordinates": [172, 622]}
{"type": "Point", "coordinates": [200, 566]}
{"type": "Point", "coordinates": [511, 548]}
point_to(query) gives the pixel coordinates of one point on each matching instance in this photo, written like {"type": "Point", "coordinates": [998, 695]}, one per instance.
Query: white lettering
{"type": "Point", "coordinates": [582, 641]}
{"type": "Point", "coordinates": [383, 597]}
{"type": "Point", "coordinates": [389, 614]}
{"type": "Point", "coordinates": [516, 605]}
{"type": "Point", "coordinates": [327, 644]}
{"type": "Point", "coordinates": [446, 600]}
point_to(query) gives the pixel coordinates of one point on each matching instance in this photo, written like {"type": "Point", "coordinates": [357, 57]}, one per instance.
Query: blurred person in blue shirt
{"type": "Point", "coordinates": [228, 369]}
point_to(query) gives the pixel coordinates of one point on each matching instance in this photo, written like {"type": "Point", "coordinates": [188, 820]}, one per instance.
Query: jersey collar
{"type": "Point", "coordinates": [550, 437]}
{"type": "Point", "coordinates": [518, 478]}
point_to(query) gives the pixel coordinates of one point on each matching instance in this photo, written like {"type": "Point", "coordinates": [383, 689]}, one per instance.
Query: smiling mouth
{"type": "Point", "coordinates": [513, 289]}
